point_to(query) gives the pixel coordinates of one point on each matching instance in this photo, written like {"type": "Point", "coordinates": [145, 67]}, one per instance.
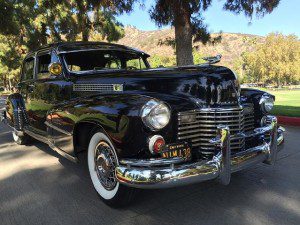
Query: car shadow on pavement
{"type": "Point", "coordinates": [53, 191]}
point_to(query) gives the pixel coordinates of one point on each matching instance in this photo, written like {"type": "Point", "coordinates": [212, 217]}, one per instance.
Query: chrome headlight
{"type": "Point", "coordinates": [155, 115]}
{"type": "Point", "coordinates": [266, 103]}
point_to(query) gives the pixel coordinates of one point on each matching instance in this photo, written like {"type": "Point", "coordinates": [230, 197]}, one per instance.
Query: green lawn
{"type": "Point", "coordinates": [287, 102]}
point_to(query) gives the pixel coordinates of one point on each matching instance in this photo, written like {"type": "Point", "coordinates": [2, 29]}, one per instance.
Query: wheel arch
{"type": "Point", "coordinates": [83, 132]}
{"type": "Point", "coordinates": [16, 111]}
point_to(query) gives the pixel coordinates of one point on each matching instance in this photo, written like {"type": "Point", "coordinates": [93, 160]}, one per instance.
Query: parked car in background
{"type": "Point", "coordinates": [140, 127]}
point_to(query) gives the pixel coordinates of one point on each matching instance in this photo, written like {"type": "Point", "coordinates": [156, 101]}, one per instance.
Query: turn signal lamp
{"type": "Point", "coordinates": [156, 144]}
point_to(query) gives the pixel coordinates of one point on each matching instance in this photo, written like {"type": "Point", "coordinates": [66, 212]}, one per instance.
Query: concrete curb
{"type": "Point", "coordinates": [293, 121]}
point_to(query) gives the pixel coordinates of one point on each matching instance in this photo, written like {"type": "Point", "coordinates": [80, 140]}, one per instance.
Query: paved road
{"type": "Point", "coordinates": [39, 187]}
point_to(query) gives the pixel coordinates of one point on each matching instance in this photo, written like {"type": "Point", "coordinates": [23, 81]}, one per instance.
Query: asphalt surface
{"type": "Point", "coordinates": [37, 186]}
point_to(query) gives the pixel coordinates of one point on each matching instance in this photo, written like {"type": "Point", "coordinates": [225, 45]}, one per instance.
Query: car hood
{"type": "Point", "coordinates": [203, 85]}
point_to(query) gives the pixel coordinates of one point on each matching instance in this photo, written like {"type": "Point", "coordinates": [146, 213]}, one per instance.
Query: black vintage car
{"type": "Point", "coordinates": [141, 127]}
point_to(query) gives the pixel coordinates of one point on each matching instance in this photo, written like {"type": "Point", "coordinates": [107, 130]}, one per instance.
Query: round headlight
{"type": "Point", "coordinates": [266, 102]}
{"type": "Point", "coordinates": [155, 115]}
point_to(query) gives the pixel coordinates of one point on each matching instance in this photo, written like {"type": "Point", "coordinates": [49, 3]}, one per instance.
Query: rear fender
{"type": "Point", "coordinates": [16, 112]}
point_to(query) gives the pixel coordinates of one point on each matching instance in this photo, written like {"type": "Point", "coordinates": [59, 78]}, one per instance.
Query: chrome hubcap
{"type": "Point", "coordinates": [105, 164]}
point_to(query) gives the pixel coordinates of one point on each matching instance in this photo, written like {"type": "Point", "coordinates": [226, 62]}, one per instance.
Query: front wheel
{"type": "Point", "coordinates": [102, 161]}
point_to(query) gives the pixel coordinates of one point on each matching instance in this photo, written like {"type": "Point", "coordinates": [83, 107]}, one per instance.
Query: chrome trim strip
{"type": "Point", "coordinates": [57, 129]}
{"type": "Point", "coordinates": [220, 167]}
{"type": "Point", "coordinates": [51, 145]}
{"type": "Point", "coordinates": [64, 154]}
{"type": "Point", "coordinates": [151, 162]}
{"type": "Point", "coordinates": [216, 110]}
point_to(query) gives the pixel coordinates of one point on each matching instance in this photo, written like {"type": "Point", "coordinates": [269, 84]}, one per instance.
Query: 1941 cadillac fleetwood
{"type": "Point", "coordinates": [141, 127]}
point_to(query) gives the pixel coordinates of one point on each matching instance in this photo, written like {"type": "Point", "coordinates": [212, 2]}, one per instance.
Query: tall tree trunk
{"type": "Point", "coordinates": [85, 34]}
{"type": "Point", "coordinates": [86, 28]}
{"type": "Point", "coordinates": [44, 35]}
{"type": "Point", "coordinates": [9, 85]}
{"type": "Point", "coordinates": [183, 35]}
{"type": "Point", "coordinates": [83, 20]}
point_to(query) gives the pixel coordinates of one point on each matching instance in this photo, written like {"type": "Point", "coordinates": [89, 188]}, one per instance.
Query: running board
{"type": "Point", "coordinates": [51, 145]}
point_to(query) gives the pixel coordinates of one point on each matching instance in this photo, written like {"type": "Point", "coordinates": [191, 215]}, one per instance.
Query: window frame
{"type": "Point", "coordinates": [53, 55]}
{"type": "Point", "coordinates": [39, 54]}
{"type": "Point", "coordinates": [23, 68]}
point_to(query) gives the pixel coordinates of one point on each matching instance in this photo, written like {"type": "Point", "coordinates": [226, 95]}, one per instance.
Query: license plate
{"type": "Point", "coordinates": [181, 150]}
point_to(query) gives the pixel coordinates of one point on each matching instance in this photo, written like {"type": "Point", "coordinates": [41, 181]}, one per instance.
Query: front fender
{"type": "Point", "coordinates": [253, 96]}
{"type": "Point", "coordinates": [117, 114]}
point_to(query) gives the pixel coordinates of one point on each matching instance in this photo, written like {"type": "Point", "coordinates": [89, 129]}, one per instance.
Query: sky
{"type": "Point", "coordinates": [285, 19]}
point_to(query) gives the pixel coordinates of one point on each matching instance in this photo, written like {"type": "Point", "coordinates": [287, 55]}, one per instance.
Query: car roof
{"type": "Point", "coordinates": [63, 47]}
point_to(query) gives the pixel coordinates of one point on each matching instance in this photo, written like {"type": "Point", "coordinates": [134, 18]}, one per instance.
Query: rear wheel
{"type": "Point", "coordinates": [102, 161]}
{"type": "Point", "coordinates": [21, 140]}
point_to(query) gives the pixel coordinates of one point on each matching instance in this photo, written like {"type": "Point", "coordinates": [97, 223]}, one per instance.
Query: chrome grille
{"type": "Point", "coordinates": [205, 125]}
{"type": "Point", "coordinates": [98, 87]}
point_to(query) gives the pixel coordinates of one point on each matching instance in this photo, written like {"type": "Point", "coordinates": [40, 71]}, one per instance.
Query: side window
{"type": "Point", "coordinates": [28, 69]}
{"type": "Point", "coordinates": [111, 62]}
{"type": "Point", "coordinates": [135, 64]}
{"type": "Point", "coordinates": [42, 66]}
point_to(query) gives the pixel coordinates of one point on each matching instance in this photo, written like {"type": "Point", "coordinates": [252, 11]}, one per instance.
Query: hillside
{"type": "Point", "coordinates": [231, 46]}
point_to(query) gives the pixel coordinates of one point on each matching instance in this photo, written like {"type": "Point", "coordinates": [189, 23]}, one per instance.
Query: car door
{"type": "Point", "coordinates": [45, 93]}
{"type": "Point", "coordinates": [27, 82]}
{"type": "Point", "coordinates": [51, 93]}
{"type": "Point", "coordinates": [36, 95]}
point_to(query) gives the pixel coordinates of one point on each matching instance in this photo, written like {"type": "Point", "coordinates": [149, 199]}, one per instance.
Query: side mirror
{"type": "Point", "coordinates": [55, 69]}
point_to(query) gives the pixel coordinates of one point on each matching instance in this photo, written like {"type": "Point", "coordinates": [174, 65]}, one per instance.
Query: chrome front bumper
{"type": "Point", "coordinates": [159, 173]}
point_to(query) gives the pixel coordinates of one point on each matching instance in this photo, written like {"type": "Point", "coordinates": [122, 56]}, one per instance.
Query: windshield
{"type": "Point", "coordinates": [104, 60]}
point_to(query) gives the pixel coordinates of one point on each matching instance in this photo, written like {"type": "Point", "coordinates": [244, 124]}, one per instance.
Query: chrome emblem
{"type": "Point", "coordinates": [118, 87]}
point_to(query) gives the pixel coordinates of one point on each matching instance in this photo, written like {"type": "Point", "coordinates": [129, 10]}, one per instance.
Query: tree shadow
{"type": "Point", "coordinates": [60, 192]}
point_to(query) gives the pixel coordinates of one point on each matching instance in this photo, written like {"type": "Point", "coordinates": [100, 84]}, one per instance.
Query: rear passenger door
{"type": "Point", "coordinates": [27, 81]}
{"type": "Point", "coordinates": [36, 106]}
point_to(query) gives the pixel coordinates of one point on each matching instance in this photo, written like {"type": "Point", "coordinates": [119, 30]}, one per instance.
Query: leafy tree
{"type": "Point", "coordinates": [11, 55]}
{"type": "Point", "coordinates": [277, 60]}
{"type": "Point", "coordinates": [26, 25]}
{"type": "Point", "coordinates": [186, 17]}
{"type": "Point", "coordinates": [159, 61]}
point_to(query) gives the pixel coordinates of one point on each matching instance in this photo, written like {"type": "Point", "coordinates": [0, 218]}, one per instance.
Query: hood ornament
{"type": "Point", "coordinates": [213, 59]}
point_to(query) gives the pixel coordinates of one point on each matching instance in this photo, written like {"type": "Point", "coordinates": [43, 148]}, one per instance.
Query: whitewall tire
{"type": "Point", "coordinates": [102, 160]}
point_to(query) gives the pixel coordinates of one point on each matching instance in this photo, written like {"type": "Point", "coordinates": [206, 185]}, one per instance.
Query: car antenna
{"type": "Point", "coordinates": [213, 59]}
